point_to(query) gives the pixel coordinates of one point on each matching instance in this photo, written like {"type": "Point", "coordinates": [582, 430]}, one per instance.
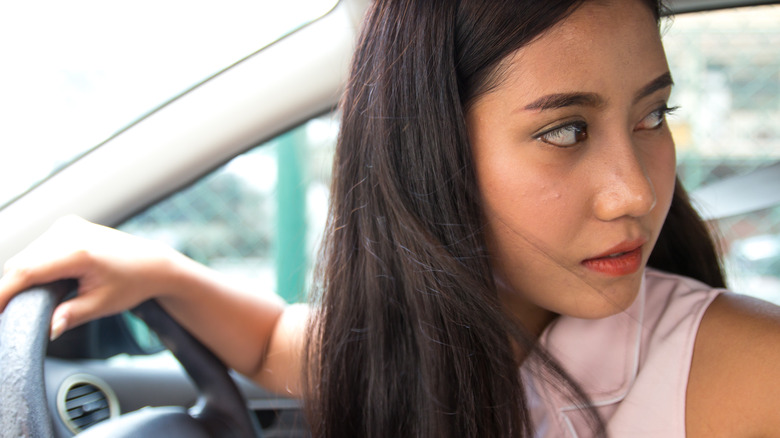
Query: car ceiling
{"type": "Point", "coordinates": [680, 6]}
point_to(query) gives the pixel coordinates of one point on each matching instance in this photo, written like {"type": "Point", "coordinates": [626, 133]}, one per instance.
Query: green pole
{"type": "Point", "coordinates": [291, 217]}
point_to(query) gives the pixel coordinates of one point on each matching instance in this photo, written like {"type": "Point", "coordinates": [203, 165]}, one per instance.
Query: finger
{"type": "Point", "coordinates": [70, 314]}
{"type": "Point", "coordinates": [59, 322]}
{"type": "Point", "coordinates": [83, 308]}
{"type": "Point", "coordinates": [17, 279]}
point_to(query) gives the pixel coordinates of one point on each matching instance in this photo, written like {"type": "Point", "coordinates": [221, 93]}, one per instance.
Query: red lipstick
{"type": "Point", "coordinates": [623, 259]}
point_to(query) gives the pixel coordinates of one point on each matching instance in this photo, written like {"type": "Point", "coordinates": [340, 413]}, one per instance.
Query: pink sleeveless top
{"type": "Point", "coordinates": [634, 365]}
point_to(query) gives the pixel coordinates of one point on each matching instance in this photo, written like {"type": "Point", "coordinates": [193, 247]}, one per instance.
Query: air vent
{"type": "Point", "coordinates": [84, 400]}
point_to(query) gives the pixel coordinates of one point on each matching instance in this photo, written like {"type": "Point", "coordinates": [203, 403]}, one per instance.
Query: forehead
{"type": "Point", "coordinates": [602, 44]}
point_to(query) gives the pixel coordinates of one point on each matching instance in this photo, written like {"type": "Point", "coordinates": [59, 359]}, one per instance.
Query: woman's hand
{"type": "Point", "coordinates": [115, 271]}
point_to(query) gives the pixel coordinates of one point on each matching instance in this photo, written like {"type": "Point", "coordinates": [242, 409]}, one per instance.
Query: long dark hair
{"type": "Point", "coordinates": [408, 337]}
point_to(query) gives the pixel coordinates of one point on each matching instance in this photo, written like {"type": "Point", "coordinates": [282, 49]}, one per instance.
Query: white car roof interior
{"type": "Point", "coordinates": [187, 137]}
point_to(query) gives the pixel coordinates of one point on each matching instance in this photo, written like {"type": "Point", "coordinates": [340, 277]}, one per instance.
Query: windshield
{"type": "Point", "coordinates": [75, 73]}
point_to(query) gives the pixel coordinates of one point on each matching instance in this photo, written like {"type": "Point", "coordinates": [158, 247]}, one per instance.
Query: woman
{"type": "Point", "coordinates": [504, 177]}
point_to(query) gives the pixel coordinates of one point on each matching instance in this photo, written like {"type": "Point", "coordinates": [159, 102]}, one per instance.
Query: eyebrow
{"type": "Point", "coordinates": [563, 100]}
{"type": "Point", "coordinates": [659, 83]}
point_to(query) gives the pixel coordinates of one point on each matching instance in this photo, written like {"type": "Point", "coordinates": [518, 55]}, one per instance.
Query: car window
{"type": "Point", "coordinates": [258, 219]}
{"type": "Point", "coordinates": [236, 218]}
{"type": "Point", "coordinates": [726, 70]}
{"type": "Point", "coordinates": [75, 73]}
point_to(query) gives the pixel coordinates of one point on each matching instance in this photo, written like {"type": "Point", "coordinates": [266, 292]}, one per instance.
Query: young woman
{"type": "Point", "coordinates": [503, 205]}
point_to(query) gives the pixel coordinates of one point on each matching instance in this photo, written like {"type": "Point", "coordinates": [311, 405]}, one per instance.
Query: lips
{"type": "Point", "coordinates": [623, 259]}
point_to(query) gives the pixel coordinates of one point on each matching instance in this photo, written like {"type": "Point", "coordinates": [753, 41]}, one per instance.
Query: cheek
{"type": "Point", "coordinates": [528, 207]}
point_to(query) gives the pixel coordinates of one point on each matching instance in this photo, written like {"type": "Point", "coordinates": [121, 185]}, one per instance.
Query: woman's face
{"type": "Point", "coordinates": [575, 163]}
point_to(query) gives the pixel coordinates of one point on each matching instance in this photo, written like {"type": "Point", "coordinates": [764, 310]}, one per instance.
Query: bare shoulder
{"type": "Point", "coordinates": [281, 370]}
{"type": "Point", "coordinates": [735, 371]}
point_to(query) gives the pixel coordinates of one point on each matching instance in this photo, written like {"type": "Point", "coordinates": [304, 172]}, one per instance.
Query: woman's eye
{"type": "Point", "coordinates": [655, 119]}
{"type": "Point", "coordinates": [565, 136]}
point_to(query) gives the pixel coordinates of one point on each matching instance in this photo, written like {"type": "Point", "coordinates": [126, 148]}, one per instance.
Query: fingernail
{"type": "Point", "coordinates": [57, 327]}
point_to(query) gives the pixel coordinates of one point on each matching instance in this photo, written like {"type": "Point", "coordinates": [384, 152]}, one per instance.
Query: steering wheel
{"type": "Point", "coordinates": [220, 411]}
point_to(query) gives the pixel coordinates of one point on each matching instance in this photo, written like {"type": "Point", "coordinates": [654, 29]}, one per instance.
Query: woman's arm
{"type": "Point", "coordinates": [735, 373]}
{"type": "Point", "coordinates": [255, 334]}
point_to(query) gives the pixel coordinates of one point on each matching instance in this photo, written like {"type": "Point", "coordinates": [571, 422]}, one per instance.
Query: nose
{"type": "Point", "coordinates": [624, 187]}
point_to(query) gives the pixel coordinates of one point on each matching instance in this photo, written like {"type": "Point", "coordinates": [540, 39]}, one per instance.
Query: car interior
{"type": "Point", "coordinates": [239, 160]}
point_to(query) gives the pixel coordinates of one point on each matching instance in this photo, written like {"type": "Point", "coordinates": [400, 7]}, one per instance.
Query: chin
{"type": "Point", "coordinates": [608, 300]}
